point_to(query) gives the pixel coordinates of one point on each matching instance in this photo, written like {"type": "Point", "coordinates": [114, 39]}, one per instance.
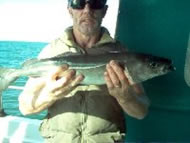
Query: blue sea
{"type": "Point", "coordinates": [13, 54]}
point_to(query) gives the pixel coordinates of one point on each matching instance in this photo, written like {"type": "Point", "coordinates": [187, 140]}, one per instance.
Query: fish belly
{"type": "Point", "coordinates": [93, 76]}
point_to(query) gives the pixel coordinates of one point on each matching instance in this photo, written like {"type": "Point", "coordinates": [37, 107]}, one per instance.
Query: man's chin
{"type": "Point", "coordinates": [88, 30]}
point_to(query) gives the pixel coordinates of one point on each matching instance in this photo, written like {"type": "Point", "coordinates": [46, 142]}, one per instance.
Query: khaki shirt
{"type": "Point", "coordinates": [88, 114]}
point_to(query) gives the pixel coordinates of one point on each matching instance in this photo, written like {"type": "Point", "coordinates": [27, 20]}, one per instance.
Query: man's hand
{"type": "Point", "coordinates": [116, 80]}
{"type": "Point", "coordinates": [41, 93]}
{"type": "Point", "coordinates": [131, 97]}
{"type": "Point", "coordinates": [60, 82]}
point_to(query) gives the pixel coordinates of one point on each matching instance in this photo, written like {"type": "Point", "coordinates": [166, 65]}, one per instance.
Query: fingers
{"type": "Point", "coordinates": [108, 80]}
{"type": "Point", "coordinates": [62, 80]}
{"type": "Point", "coordinates": [115, 75]}
{"type": "Point", "coordinates": [57, 72]}
{"type": "Point", "coordinates": [69, 80]}
{"type": "Point", "coordinates": [69, 85]}
{"type": "Point", "coordinates": [77, 80]}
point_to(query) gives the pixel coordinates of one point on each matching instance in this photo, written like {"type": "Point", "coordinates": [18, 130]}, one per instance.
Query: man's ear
{"type": "Point", "coordinates": [70, 11]}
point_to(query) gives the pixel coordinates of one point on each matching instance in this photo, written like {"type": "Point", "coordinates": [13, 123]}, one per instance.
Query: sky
{"type": "Point", "coordinates": [42, 20]}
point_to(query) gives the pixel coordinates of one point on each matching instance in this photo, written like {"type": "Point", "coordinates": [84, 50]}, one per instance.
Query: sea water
{"type": "Point", "coordinates": [13, 54]}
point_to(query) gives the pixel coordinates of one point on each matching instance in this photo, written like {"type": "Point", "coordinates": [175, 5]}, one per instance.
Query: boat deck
{"type": "Point", "coordinates": [15, 129]}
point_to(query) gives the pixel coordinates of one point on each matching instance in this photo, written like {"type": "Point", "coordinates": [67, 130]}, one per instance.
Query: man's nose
{"type": "Point", "coordinates": [87, 7]}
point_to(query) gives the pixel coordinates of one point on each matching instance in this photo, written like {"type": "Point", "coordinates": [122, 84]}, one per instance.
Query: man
{"type": "Point", "coordinates": [78, 113]}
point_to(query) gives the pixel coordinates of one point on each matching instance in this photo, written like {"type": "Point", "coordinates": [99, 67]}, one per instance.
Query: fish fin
{"type": "Point", "coordinates": [29, 62]}
{"type": "Point", "coordinates": [7, 76]}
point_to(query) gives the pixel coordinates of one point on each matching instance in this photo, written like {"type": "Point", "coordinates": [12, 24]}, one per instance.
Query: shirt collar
{"type": "Point", "coordinates": [68, 38]}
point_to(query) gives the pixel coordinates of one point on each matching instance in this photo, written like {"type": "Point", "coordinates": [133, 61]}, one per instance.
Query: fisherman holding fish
{"type": "Point", "coordinates": [80, 113]}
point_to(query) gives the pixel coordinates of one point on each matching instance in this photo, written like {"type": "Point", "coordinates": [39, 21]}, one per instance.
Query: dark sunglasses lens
{"type": "Point", "coordinates": [94, 4]}
{"type": "Point", "coordinates": [97, 4]}
{"type": "Point", "coordinates": [78, 4]}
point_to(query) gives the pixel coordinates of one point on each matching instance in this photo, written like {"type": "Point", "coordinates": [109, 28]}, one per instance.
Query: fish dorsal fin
{"type": "Point", "coordinates": [29, 62]}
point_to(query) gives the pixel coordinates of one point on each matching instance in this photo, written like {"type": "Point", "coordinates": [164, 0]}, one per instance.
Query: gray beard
{"type": "Point", "coordinates": [88, 31]}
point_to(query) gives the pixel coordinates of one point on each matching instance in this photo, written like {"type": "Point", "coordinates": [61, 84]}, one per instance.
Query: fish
{"type": "Point", "coordinates": [139, 66]}
{"type": "Point", "coordinates": [187, 64]}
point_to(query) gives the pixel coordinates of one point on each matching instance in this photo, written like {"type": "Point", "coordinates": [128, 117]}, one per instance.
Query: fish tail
{"type": "Point", "coordinates": [7, 76]}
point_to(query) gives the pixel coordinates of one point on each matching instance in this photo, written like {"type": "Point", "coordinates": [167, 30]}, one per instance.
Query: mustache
{"type": "Point", "coordinates": [88, 16]}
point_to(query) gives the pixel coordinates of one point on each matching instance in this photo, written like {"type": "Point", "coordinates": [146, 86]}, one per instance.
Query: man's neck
{"type": "Point", "coordinates": [86, 41]}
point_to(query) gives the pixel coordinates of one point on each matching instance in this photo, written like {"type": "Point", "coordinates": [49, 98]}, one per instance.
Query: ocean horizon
{"type": "Point", "coordinates": [12, 55]}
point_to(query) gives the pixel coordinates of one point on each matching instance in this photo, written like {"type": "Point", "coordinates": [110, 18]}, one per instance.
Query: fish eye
{"type": "Point", "coordinates": [153, 65]}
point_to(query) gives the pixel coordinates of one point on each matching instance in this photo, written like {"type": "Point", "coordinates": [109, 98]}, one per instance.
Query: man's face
{"type": "Point", "coordinates": [87, 20]}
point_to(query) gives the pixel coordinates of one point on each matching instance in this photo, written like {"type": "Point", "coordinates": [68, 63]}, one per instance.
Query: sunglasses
{"type": "Point", "coordinates": [94, 4]}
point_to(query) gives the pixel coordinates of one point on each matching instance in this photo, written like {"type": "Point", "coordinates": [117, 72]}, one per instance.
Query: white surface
{"type": "Point", "coordinates": [42, 20]}
{"type": "Point", "coordinates": [19, 130]}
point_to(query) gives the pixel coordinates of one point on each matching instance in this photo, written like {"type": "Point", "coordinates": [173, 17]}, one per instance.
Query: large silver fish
{"type": "Point", "coordinates": [140, 67]}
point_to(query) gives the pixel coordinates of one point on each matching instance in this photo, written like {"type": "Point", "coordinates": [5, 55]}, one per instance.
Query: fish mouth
{"type": "Point", "coordinates": [172, 68]}
{"type": "Point", "coordinates": [169, 68]}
